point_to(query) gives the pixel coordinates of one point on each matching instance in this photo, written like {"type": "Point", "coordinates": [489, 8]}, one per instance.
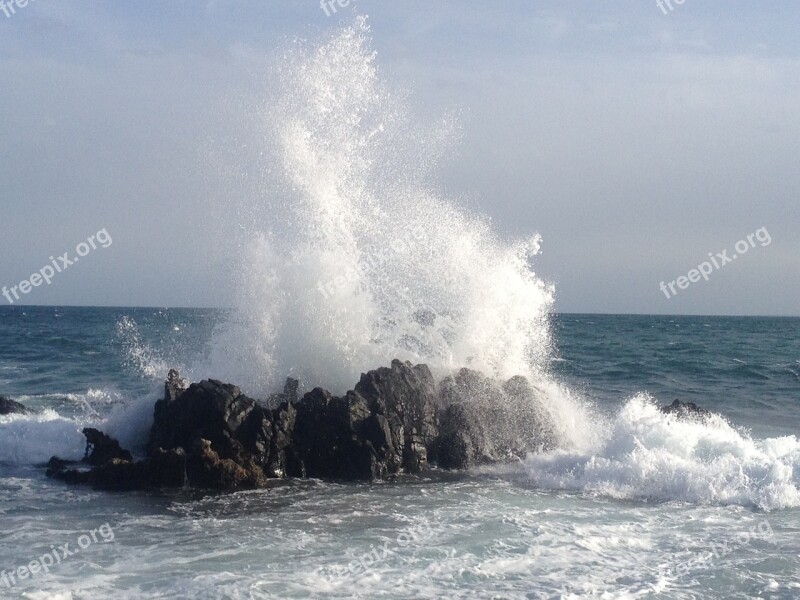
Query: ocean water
{"type": "Point", "coordinates": [347, 257]}
{"type": "Point", "coordinates": [622, 519]}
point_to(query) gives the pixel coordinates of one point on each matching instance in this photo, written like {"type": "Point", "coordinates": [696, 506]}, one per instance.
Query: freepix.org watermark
{"type": "Point", "coordinates": [9, 7]}
{"type": "Point", "coordinates": [702, 560]}
{"type": "Point", "coordinates": [666, 5]}
{"type": "Point", "coordinates": [371, 261]}
{"type": "Point", "coordinates": [56, 556]}
{"type": "Point", "coordinates": [329, 6]}
{"type": "Point", "coordinates": [716, 262]}
{"type": "Point", "coordinates": [46, 274]}
{"type": "Point", "coordinates": [414, 536]}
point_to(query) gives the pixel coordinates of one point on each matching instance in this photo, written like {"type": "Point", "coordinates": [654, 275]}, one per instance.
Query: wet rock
{"type": "Point", "coordinates": [395, 420]}
{"type": "Point", "coordinates": [406, 398]}
{"type": "Point", "coordinates": [101, 448]}
{"type": "Point", "coordinates": [10, 407]}
{"type": "Point", "coordinates": [685, 410]}
{"type": "Point", "coordinates": [341, 438]}
{"type": "Point", "coordinates": [283, 460]}
{"type": "Point", "coordinates": [233, 423]}
{"type": "Point", "coordinates": [206, 469]}
{"type": "Point", "coordinates": [483, 422]}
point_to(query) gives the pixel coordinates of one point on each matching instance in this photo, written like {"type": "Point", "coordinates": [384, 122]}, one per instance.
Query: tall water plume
{"type": "Point", "coordinates": [361, 260]}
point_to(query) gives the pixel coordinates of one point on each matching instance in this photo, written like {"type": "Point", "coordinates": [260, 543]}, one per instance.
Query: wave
{"type": "Point", "coordinates": [56, 428]}
{"type": "Point", "coordinates": [362, 260]}
{"type": "Point", "coordinates": [647, 455]}
{"type": "Point", "coordinates": [33, 439]}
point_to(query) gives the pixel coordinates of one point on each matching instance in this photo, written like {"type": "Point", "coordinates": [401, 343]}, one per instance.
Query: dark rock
{"type": "Point", "coordinates": [201, 468]}
{"type": "Point", "coordinates": [56, 465]}
{"type": "Point", "coordinates": [532, 426]}
{"type": "Point", "coordinates": [290, 390]}
{"type": "Point", "coordinates": [289, 394]}
{"type": "Point", "coordinates": [101, 448]}
{"type": "Point", "coordinates": [406, 397]}
{"type": "Point", "coordinates": [340, 438]}
{"type": "Point", "coordinates": [211, 435]}
{"type": "Point", "coordinates": [483, 422]}
{"type": "Point", "coordinates": [685, 410]}
{"type": "Point", "coordinates": [213, 411]}
{"type": "Point", "coordinates": [9, 407]}
{"type": "Point", "coordinates": [283, 460]}
{"type": "Point", "coordinates": [174, 386]}
{"type": "Point", "coordinates": [460, 443]}
{"type": "Point", "coordinates": [205, 469]}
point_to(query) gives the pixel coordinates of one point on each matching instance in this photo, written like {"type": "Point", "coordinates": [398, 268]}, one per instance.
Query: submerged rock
{"type": "Point", "coordinates": [10, 407]}
{"type": "Point", "coordinates": [685, 410]}
{"type": "Point", "coordinates": [396, 420]}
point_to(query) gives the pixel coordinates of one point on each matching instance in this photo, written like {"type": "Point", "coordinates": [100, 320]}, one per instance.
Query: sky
{"type": "Point", "coordinates": [636, 139]}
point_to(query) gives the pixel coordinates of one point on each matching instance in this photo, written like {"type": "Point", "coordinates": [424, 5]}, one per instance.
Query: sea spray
{"type": "Point", "coordinates": [364, 261]}
{"type": "Point", "coordinates": [644, 454]}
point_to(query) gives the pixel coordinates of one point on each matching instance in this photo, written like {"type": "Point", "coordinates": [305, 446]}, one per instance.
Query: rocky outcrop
{"type": "Point", "coordinates": [395, 420]}
{"type": "Point", "coordinates": [10, 407]}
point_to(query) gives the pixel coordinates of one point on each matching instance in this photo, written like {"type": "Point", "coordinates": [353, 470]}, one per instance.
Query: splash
{"type": "Point", "coordinates": [363, 261]}
{"type": "Point", "coordinates": [647, 455]}
{"type": "Point", "coordinates": [139, 355]}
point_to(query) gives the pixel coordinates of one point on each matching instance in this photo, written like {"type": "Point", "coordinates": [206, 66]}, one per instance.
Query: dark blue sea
{"type": "Point", "coordinates": [644, 507]}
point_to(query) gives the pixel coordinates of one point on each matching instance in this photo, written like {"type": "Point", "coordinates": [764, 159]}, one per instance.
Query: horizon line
{"type": "Point", "coordinates": [585, 313]}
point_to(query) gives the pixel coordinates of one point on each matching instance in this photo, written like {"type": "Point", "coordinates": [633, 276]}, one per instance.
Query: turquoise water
{"type": "Point", "coordinates": [650, 509]}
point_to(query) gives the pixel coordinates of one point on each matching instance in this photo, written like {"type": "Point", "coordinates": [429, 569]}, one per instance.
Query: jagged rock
{"type": "Point", "coordinates": [174, 386]}
{"type": "Point", "coordinates": [531, 424]}
{"type": "Point", "coordinates": [101, 448]}
{"type": "Point", "coordinates": [201, 468]}
{"type": "Point", "coordinates": [482, 422]}
{"type": "Point", "coordinates": [289, 393]}
{"type": "Point", "coordinates": [211, 435]}
{"type": "Point", "coordinates": [56, 465]}
{"type": "Point", "coordinates": [205, 469]}
{"type": "Point", "coordinates": [685, 410]}
{"type": "Point", "coordinates": [340, 438]}
{"type": "Point", "coordinates": [406, 397]}
{"type": "Point", "coordinates": [9, 407]}
{"type": "Point", "coordinates": [283, 460]}
{"type": "Point", "coordinates": [163, 469]}
{"type": "Point", "coordinates": [214, 411]}
{"type": "Point", "coordinates": [460, 444]}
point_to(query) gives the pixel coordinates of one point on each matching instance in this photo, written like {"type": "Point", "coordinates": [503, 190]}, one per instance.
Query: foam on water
{"type": "Point", "coordinates": [647, 455]}
{"type": "Point", "coordinates": [33, 439]}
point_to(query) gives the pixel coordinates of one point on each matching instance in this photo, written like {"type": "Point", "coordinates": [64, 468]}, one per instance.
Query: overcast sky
{"type": "Point", "coordinates": [636, 142]}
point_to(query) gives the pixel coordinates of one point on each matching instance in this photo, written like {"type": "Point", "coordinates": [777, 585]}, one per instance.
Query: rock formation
{"type": "Point", "coordinates": [9, 407]}
{"type": "Point", "coordinates": [396, 420]}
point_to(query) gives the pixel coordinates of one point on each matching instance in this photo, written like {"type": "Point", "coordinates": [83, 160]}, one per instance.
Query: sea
{"type": "Point", "coordinates": [347, 252]}
{"type": "Point", "coordinates": [652, 508]}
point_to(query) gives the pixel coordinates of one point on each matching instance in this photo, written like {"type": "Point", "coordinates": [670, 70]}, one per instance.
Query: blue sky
{"type": "Point", "coordinates": [635, 142]}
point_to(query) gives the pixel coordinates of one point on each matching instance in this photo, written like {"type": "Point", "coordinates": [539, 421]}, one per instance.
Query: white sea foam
{"type": "Point", "coordinates": [33, 439]}
{"type": "Point", "coordinates": [645, 454]}
{"type": "Point", "coordinates": [29, 439]}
